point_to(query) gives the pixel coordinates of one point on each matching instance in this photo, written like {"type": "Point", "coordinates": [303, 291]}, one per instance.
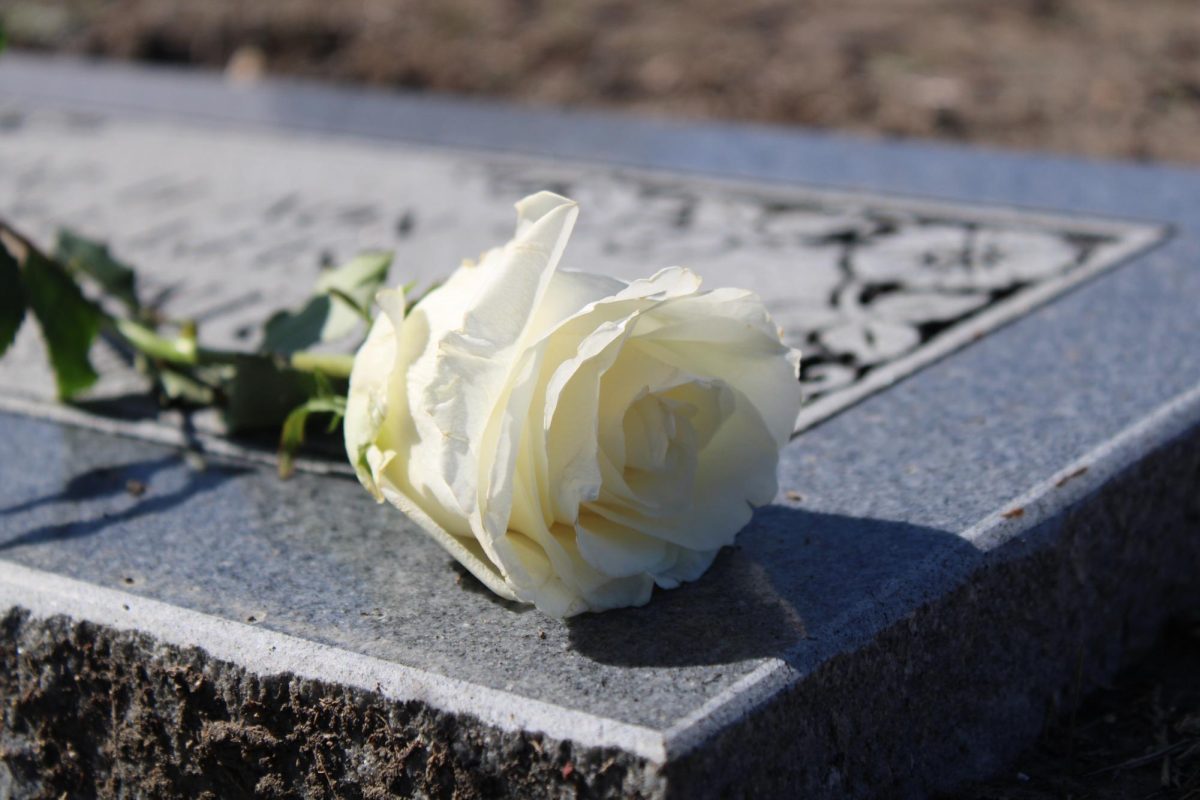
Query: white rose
{"type": "Point", "coordinates": [572, 439]}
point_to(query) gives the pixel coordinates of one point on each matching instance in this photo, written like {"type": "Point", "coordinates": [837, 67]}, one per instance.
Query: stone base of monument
{"type": "Point", "coordinates": [991, 501]}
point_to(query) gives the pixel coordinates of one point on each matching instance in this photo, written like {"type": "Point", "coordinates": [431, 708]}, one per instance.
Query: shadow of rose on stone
{"type": "Point", "coordinates": [788, 589]}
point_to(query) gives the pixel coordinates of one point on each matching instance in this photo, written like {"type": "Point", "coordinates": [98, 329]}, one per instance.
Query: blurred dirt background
{"type": "Point", "coordinates": [1109, 78]}
{"type": "Point", "coordinates": [1097, 77]}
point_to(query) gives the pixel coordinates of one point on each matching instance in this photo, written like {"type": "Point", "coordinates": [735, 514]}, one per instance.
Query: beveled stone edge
{"type": "Point", "coordinates": [263, 651]}
{"type": "Point", "coordinates": [1089, 473]}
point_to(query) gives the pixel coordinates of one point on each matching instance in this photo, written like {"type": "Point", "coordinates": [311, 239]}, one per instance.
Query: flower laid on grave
{"type": "Point", "coordinates": [572, 439]}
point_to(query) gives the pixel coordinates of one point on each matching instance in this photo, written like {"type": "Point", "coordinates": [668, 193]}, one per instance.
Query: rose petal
{"type": "Point", "coordinates": [618, 550]}
{"type": "Point", "coordinates": [474, 362]}
{"type": "Point", "coordinates": [689, 565]}
{"type": "Point", "coordinates": [736, 471]}
{"type": "Point", "coordinates": [571, 419]}
{"type": "Point", "coordinates": [756, 367]}
{"type": "Point", "coordinates": [366, 401]}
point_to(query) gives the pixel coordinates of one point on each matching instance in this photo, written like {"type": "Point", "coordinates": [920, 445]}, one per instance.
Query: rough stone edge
{"type": "Point", "coordinates": [89, 710]}
{"type": "Point", "coordinates": [475, 719]}
{"type": "Point", "coordinates": [930, 702]}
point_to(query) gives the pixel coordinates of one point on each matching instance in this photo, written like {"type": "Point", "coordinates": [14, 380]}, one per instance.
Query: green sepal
{"type": "Point", "coordinates": [291, 437]}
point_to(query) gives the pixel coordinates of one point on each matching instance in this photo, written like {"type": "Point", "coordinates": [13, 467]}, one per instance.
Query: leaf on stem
{"type": "Point", "coordinates": [292, 435]}
{"type": "Point", "coordinates": [92, 259]}
{"type": "Point", "coordinates": [12, 299]}
{"type": "Point", "coordinates": [69, 321]}
{"type": "Point", "coordinates": [289, 331]}
{"type": "Point", "coordinates": [340, 301]}
{"type": "Point", "coordinates": [260, 392]}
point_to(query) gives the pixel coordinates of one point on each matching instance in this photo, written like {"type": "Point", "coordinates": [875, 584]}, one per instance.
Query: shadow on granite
{"type": "Point", "coordinates": [763, 596]}
{"type": "Point", "coordinates": [112, 481]}
{"type": "Point", "coordinates": [130, 407]}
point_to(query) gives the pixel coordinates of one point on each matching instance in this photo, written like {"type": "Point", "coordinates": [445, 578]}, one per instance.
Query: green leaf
{"type": "Point", "coordinates": [292, 435]}
{"type": "Point", "coordinates": [363, 314]}
{"type": "Point", "coordinates": [340, 302]}
{"type": "Point", "coordinates": [69, 321]}
{"type": "Point", "coordinates": [259, 392]}
{"type": "Point", "coordinates": [357, 280]}
{"type": "Point", "coordinates": [12, 300]}
{"type": "Point", "coordinates": [287, 332]}
{"type": "Point", "coordinates": [93, 259]}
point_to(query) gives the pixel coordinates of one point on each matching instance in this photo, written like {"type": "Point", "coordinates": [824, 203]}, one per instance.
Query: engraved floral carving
{"type": "Point", "coordinates": [867, 284]}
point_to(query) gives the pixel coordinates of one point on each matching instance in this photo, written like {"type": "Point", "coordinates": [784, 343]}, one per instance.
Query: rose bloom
{"type": "Point", "coordinates": [572, 439]}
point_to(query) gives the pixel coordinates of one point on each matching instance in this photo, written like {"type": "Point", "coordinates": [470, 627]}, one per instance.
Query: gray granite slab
{"type": "Point", "coordinates": [1002, 503]}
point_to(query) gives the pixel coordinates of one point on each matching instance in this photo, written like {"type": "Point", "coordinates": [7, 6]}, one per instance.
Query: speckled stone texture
{"type": "Point", "coordinates": [947, 560]}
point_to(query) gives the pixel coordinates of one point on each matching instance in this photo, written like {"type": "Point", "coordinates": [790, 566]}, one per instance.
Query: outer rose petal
{"type": "Point", "coordinates": [471, 360]}
{"type": "Point", "coordinates": [468, 337]}
{"type": "Point", "coordinates": [366, 409]}
{"type": "Point", "coordinates": [366, 402]}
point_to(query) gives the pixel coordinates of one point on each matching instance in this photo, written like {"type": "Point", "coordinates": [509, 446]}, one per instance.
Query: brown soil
{"type": "Point", "coordinates": [1094, 77]}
